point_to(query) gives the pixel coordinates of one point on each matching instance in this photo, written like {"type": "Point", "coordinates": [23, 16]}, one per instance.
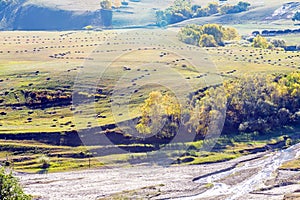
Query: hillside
{"type": "Point", "coordinates": [286, 11]}
{"type": "Point", "coordinates": [262, 15]}
{"type": "Point", "coordinates": [71, 15]}
{"type": "Point", "coordinates": [23, 15]}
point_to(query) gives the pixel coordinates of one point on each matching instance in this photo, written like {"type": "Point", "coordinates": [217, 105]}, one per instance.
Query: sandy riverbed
{"type": "Point", "coordinates": [149, 182]}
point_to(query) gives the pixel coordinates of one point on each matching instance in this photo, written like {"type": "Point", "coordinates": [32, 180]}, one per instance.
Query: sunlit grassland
{"type": "Point", "coordinates": [103, 68]}
{"type": "Point", "coordinates": [146, 66]}
{"type": "Point", "coordinates": [25, 155]}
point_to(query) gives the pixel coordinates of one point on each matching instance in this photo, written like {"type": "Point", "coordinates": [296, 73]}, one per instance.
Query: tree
{"type": "Point", "coordinates": [207, 113]}
{"type": "Point", "coordinates": [190, 34]}
{"type": "Point", "coordinates": [160, 115]}
{"type": "Point", "coordinates": [296, 16]}
{"type": "Point", "coordinates": [202, 12]}
{"type": "Point", "coordinates": [260, 42]}
{"type": "Point", "coordinates": [207, 41]}
{"type": "Point", "coordinates": [213, 8]}
{"type": "Point", "coordinates": [214, 34]}
{"type": "Point", "coordinates": [215, 30]}
{"type": "Point", "coordinates": [230, 34]}
{"type": "Point", "coordinates": [106, 4]}
{"type": "Point", "coordinates": [226, 9]}
{"type": "Point", "coordinates": [230, 9]}
{"type": "Point", "coordinates": [160, 17]}
{"type": "Point", "coordinates": [243, 6]}
{"type": "Point", "coordinates": [10, 188]}
{"type": "Point", "coordinates": [279, 43]}
{"type": "Point", "coordinates": [195, 8]}
{"type": "Point", "coordinates": [183, 9]}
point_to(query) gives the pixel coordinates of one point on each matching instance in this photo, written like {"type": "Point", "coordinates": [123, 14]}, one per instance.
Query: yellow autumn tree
{"type": "Point", "coordinates": [158, 112]}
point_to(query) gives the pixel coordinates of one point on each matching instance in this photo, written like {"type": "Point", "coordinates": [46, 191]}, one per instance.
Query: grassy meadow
{"type": "Point", "coordinates": [109, 74]}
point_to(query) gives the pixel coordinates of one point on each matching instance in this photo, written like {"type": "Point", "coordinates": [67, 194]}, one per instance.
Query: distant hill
{"type": "Point", "coordinates": [23, 15]}
{"type": "Point", "coordinates": [73, 14]}
{"type": "Point", "coordinates": [271, 12]}
{"type": "Point", "coordinates": [286, 11]}
{"type": "Point", "coordinates": [76, 14]}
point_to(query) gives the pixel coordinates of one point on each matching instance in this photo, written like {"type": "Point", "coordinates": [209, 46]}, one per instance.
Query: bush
{"type": "Point", "coordinates": [288, 142]}
{"type": "Point", "coordinates": [261, 42]}
{"type": "Point", "coordinates": [279, 43]}
{"type": "Point", "coordinates": [44, 161]}
{"type": "Point", "coordinates": [10, 188]}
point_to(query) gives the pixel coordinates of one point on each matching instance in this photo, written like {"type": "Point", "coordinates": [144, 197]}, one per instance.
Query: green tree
{"type": "Point", "coordinates": [202, 12]}
{"type": "Point", "coordinates": [215, 30]}
{"type": "Point", "coordinates": [213, 8]}
{"type": "Point", "coordinates": [207, 41]}
{"type": "Point", "coordinates": [230, 9]}
{"type": "Point", "coordinates": [190, 34]}
{"type": "Point", "coordinates": [226, 9]}
{"type": "Point", "coordinates": [243, 6]}
{"type": "Point", "coordinates": [10, 188]}
{"type": "Point", "coordinates": [214, 34]}
{"type": "Point", "coordinates": [195, 8]}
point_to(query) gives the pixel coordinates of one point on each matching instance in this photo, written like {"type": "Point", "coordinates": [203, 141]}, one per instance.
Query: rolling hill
{"type": "Point", "coordinates": [74, 15]}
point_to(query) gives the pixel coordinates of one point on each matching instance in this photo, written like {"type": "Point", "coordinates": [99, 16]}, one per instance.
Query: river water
{"type": "Point", "coordinates": [268, 165]}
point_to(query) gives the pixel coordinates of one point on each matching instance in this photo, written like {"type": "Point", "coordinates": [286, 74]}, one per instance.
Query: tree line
{"type": "Point", "coordinates": [208, 35]}
{"type": "Point", "coordinates": [247, 104]}
{"type": "Point", "coordinates": [184, 9]}
{"type": "Point", "coordinates": [213, 35]}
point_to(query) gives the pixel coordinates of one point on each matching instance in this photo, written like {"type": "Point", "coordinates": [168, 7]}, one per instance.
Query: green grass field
{"type": "Point", "coordinates": [113, 73]}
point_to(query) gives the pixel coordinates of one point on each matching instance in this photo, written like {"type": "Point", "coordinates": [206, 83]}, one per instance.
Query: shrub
{"type": "Point", "coordinates": [279, 43]}
{"type": "Point", "coordinates": [44, 161]}
{"type": "Point", "coordinates": [207, 41]}
{"type": "Point", "coordinates": [10, 188]}
{"type": "Point", "coordinates": [288, 142]}
{"type": "Point", "coordinates": [261, 42]}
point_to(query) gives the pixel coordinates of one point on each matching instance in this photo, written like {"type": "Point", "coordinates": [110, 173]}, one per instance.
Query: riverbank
{"type": "Point", "coordinates": [156, 182]}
